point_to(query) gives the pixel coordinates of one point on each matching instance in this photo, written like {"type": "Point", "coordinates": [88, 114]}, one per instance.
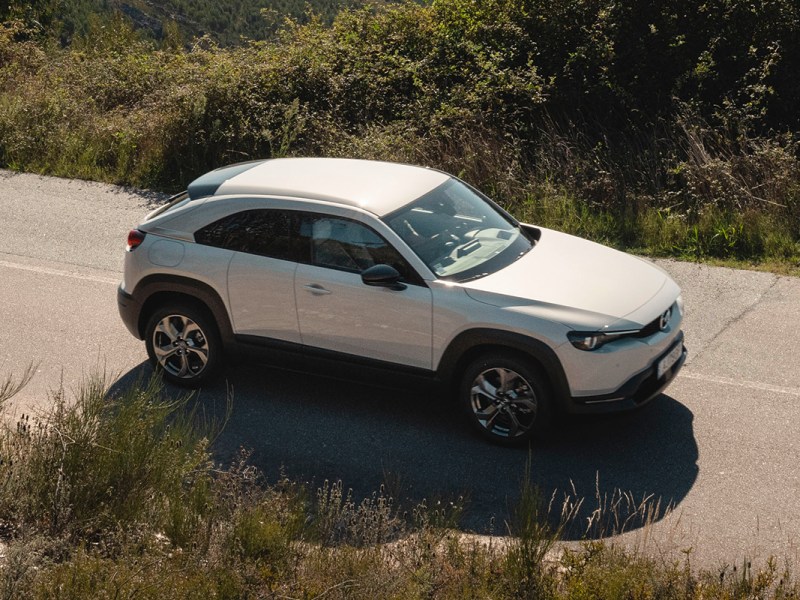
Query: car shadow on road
{"type": "Point", "coordinates": [418, 447]}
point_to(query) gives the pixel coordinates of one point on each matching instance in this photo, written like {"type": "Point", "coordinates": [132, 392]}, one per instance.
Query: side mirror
{"type": "Point", "coordinates": [383, 276]}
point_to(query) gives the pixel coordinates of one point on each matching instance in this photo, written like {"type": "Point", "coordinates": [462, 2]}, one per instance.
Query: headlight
{"type": "Point", "coordinates": [679, 302]}
{"type": "Point", "coordinates": [592, 340]}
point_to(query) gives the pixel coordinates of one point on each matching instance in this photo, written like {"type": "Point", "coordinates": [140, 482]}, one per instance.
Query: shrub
{"type": "Point", "coordinates": [667, 129]}
{"type": "Point", "coordinates": [98, 464]}
{"type": "Point", "coordinates": [115, 496]}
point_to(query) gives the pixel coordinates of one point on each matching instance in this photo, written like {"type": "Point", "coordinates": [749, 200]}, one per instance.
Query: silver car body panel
{"type": "Point", "coordinates": [572, 273]}
{"type": "Point", "coordinates": [336, 311]}
{"type": "Point", "coordinates": [261, 297]}
{"type": "Point", "coordinates": [592, 373]}
{"type": "Point", "coordinates": [377, 187]}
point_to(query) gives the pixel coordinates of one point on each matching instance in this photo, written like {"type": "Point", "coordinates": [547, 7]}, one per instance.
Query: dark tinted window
{"type": "Point", "coordinates": [174, 202]}
{"type": "Point", "coordinates": [262, 232]}
{"type": "Point", "coordinates": [349, 245]}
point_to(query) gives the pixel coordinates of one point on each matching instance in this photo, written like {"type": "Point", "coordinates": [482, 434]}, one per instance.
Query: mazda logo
{"type": "Point", "coordinates": [664, 320]}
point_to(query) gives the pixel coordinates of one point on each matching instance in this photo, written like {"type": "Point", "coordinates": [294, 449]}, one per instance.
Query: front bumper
{"type": "Point", "coordinates": [635, 392]}
{"type": "Point", "coordinates": [129, 310]}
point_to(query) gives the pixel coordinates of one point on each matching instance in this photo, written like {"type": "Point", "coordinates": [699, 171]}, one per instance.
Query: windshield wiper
{"type": "Point", "coordinates": [472, 278]}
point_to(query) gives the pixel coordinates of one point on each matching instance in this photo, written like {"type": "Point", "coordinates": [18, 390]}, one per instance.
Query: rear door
{"type": "Point", "coordinates": [261, 272]}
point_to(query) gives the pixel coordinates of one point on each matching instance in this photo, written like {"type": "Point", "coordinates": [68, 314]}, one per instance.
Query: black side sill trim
{"type": "Point", "coordinates": [314, 354]}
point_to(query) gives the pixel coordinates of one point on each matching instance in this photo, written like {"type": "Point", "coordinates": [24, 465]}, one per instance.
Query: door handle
{"type": "Point", "coordinates": [316, 289]}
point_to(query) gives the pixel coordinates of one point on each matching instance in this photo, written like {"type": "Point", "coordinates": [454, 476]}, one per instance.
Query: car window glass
{"type": "Point", "coordinates": [457, 233]}
{"type": "Point", "coordinates": [348, 245]}
{"type": "Point", "coordinates": [261, 232]}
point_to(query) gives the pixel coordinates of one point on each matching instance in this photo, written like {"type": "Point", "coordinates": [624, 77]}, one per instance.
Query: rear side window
{"type": "Point", "coordinates": [261, 232]}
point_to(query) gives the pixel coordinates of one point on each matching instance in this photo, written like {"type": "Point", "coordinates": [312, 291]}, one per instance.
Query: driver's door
{"type": "Point", "coordinates": [337, 311]}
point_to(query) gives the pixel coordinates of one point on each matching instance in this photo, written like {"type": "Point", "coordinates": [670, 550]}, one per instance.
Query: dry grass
{"type": "Point", "coordinates": [191, 529]}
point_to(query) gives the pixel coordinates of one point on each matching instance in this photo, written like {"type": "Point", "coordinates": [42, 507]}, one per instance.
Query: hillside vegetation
{"type": "Point", "coordinates": [227, 22]}
{"type": "Point", "coordinates": [669, 127]}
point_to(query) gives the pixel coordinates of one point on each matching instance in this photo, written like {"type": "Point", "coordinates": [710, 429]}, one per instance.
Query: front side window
{"type": "Point", "coordinates": [340, 243]}
{"type": "Point", "coordinates": [458, 233]}
{"type": "Point", "coordinates": [262, 232]}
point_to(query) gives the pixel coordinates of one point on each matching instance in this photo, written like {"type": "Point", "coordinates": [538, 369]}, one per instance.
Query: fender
{"type": "Point", "coordinates": [172, 285]}
{"type": "Point", "coordinates": [467, 345]}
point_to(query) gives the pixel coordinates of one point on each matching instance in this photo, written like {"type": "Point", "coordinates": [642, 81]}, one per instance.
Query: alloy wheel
{"type": "Point", "coordinates": [180, 346]}
{"type": "Point", "coordinates": [503, 403]}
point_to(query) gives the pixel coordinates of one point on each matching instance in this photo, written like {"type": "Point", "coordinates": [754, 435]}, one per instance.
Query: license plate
{"type": "Point", "coordinates": [666, 363]}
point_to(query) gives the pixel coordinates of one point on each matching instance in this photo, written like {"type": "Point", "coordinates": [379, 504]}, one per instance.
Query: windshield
{"type": "Point", "coordinates": [457, 233]}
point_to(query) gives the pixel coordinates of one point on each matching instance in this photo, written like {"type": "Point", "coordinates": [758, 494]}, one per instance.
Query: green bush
{"type": "Point", "coordinates": [667, 128]}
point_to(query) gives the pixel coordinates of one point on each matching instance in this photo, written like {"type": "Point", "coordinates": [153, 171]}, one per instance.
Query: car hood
{"type": "Point", "coordinates": [580, 284]}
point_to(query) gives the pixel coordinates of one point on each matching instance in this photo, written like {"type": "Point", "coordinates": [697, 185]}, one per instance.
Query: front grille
{"type": "Point", "coordinates": [652, 327]}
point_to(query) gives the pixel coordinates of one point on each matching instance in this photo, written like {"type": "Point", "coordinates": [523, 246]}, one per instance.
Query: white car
{"type": "Point", "coordinates": [375, 270]}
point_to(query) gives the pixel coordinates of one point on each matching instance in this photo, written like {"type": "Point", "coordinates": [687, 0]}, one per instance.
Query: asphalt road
{"type": "Point", "coordinates": [720, 447]}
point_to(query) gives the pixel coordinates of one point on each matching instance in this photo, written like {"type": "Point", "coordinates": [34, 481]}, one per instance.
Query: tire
{"type": "Point", "coordinates": [183, 343]}
{"type": "Point", "coordinates": [506, 399]}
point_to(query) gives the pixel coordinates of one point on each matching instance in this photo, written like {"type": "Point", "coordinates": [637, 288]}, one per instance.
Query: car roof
{"type": "Point", "coordinates": [378, 187]}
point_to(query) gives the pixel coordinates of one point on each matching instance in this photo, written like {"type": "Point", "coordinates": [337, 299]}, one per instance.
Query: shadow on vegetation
{"type": "Point", "coordinates": [633, 465]}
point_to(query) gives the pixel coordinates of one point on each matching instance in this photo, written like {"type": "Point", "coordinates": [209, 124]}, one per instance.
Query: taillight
{"type": "Point", "coordinates": [135, 237]}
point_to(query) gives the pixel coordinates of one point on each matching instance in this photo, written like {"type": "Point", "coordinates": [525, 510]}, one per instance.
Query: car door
{"type": "Point", "coordinates": [261, 272]}
{"type": "Point", "coordinates": [337, 311]}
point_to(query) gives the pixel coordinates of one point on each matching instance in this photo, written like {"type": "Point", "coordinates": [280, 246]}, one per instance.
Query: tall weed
{"type": "Point", "coordinates": [96, 463]}
{"type": "Point", "coordinates": [116, 496]}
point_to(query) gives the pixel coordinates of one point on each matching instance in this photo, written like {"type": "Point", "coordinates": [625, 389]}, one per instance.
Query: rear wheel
{"type": "Point", "coordinates": [505, 398]}
{"type": "Point", "coordinates": [183, 343]}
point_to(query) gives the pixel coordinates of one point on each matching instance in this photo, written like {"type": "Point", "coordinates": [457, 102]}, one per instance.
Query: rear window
{"type": "Point", "coordinates": [174, 202]}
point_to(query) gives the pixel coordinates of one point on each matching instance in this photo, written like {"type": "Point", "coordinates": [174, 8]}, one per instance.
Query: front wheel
{"type": "Point", "coordinates": [505, 398]}
{"type": "Point", "coordinates": [182, 342]}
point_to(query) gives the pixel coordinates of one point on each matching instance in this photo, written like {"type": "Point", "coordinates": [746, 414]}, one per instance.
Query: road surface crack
{"type": "Point", "coordinates": [735, 319]}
